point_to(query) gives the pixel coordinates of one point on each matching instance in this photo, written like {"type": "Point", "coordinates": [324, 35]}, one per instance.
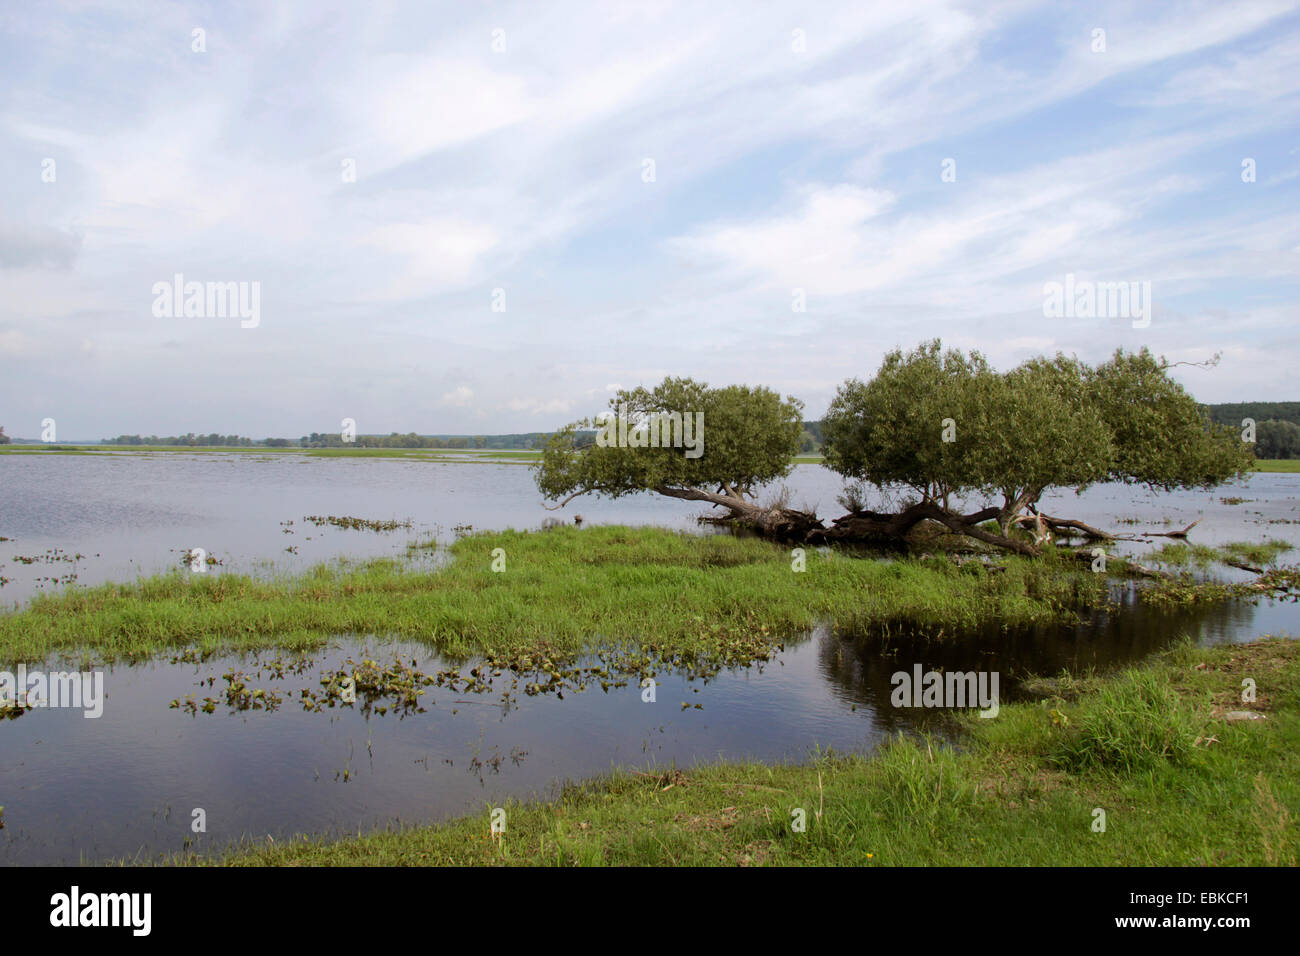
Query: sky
{"type": "Point", "coordinates": [481, 218]}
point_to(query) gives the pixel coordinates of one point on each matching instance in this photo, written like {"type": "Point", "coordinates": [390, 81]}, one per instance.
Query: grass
{"type": "Point", "coordinates": [498, 456]}
{"type": "Point", "coordinates": [564, 591]}
{"type": "Point", "coordinates": [1261, 553]}
{"type": "Point", "coordinates": [451, 455]}
{"type": "Point", "coordinates": [1182, 554]}
{"type": "Point", "coordinates": [1178, 784]}
{"type": "Point", "coordinates": [45, 449]}
{"type": "Point", "coordinates": [492, 455]}
{"type": "Point", "coordinates": [1137, 722]}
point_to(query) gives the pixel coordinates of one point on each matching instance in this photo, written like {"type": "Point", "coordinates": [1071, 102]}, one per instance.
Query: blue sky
{"type": "Point", "coordinates": [796, 146]}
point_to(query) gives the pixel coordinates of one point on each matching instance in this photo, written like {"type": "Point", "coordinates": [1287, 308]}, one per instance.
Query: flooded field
{"type": "Point", "coordinates": [266, 748]}
{"type": "Point", "coordinates": [115, 516]}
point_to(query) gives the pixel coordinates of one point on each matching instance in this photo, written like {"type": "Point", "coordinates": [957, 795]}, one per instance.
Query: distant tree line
{"type": "Point", "coordinates": [525, 440]}
{"type": "Point", "coordinates": [1231, 413]}
{"type": "Point", "coordinates": [1277, 425]}
{"type": "Point", "coordinates": [225, 441]}
{"type": "Point", "coordinates": [811, 440]}
{"type": "Point", "coordinates": [1277, 439]}
{"type": "Point", "coordinates": [1277, 435]}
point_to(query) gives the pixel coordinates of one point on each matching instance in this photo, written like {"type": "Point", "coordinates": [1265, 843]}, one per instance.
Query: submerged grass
{"type": "Point", "coordinates": [1263, 552]}
{"type": "Point", "coordinates": [1178, 783]}
{"type": "Point", "coordinates": [568, 591]}
{"type": "Point", "coordinates": [1181, 554]}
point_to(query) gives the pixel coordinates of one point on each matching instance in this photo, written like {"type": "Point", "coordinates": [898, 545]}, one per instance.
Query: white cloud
{"type": "Point", "coordinates": [436, 255]}
{"type": "Point", "coordinates": [777, 170]}
{"type": "Point", "coordinates": [459, 397]}
{"type": "Point", "coordinates": [539, 406]}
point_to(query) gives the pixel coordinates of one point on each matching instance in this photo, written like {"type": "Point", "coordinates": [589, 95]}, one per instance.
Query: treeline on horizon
{"type": "Point", "coordinates": [810, 443]}
{"type": "Point", "coordinates": [1277, 435]}
{"type": "Point", "coordinates": [525, 440]}
{"type": "Point", "coordinates": [1277, 425]}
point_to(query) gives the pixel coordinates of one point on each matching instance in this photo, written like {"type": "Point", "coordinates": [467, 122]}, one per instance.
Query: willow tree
{"type": "Point", "coordinates": [933, 427]}
{"type": "Point", "coordinates": [1041, 433]}
{"type": "Point", "coordinates": [946, 428]}
{"type": "Point", "coordinates": [1163, 439]}
{"type": "Point", "coordinates": [684, 440]}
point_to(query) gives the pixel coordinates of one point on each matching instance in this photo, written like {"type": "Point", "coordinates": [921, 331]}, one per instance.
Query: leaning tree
{"type": "Point", "coordinates": [734, 439]}
{"type": "Point", "coordinates": [944, 428]}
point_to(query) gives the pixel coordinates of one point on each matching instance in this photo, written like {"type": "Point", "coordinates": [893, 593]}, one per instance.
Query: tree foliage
{"type": "Point", "coordinates": [890, 431]}
{"type": "Point", "coordinates": [1275, 439]}
{"type": "Point", "coordinates": [944, 424]}
{"type": "Point", "coordinates": [1162, 438]}
{"type": "Point", "coordinates": [749, 437]}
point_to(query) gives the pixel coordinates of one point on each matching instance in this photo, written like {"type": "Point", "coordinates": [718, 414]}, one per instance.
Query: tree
{"type": "Point", "coordinates": [684, 440]}
{"type": "Point", "coordinates": [931, 427]}
{"type": "Point", "coordinates": [4, 439]}
{"type": "Point", "coordinates": [1274, 439]}
{"type": "Point", "coordinates": [943, 427]}
{"type": "Point", "coordinates": [1162, 438]}
{"type": "Point", "coordinates": [1037, 434]}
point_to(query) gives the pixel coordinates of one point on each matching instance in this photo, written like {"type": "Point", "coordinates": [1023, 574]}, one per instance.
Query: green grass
{"type": "Point", "coordinates": [506, 455]}
{"type": "Point", "coordinates": [568, 590]}
{"type": "Point", "coordinates": [45, 449]}
{"type": "Point", "coordinates": [1260, 553]}
{"type": "Point", "coordinates": [449, 455]}
{"type": "Point", "coordinates": [1179, 786]}
{"type": "Point", "coordinates": [92, 449]}
{"type": "Point", "coordinates": [1136, 722]}
{"type": "Point", "coordinates": [1181, 554]}
{"type": "Point", "coordinates": [1277, 464]}
{"type": "Point", "coordinates": [499, 456]}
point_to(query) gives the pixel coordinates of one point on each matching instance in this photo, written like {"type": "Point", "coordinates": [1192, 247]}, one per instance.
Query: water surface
{"type": "Point", "coordinates": [125, 785]}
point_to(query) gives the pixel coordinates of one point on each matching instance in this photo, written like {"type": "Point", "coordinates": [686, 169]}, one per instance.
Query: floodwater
{"type": "Point", "coordinates": [127, 784]}
{"type": "Point", "coordinates": [116, 516]}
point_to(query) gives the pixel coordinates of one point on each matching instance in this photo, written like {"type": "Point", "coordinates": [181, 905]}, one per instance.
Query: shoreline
{"type": "Point", "coordinates": [1178, 781]}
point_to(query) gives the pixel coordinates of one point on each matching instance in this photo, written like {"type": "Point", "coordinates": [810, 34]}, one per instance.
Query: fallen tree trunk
{"type": "Point", "coordinates": [1174, 534]}
{"type": "Point", "coordinates": [1057, 524]}
{"type": "Point", "coordinates": [782, 523]}
{"type": "Point", "coordinates": [1232, 563]}
{"type": "Point", "coordinates": [893, 527]}
{"type": "Point", "coordinates": [1070, 524]}
{"type": "Point", "coordinates": [874, 525]}
{"type": "Point", "coordinates": [1141, 570]}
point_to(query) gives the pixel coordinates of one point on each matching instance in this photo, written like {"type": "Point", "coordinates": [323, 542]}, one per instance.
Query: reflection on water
{"type": "Point", "coordinates": [125, 785]}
